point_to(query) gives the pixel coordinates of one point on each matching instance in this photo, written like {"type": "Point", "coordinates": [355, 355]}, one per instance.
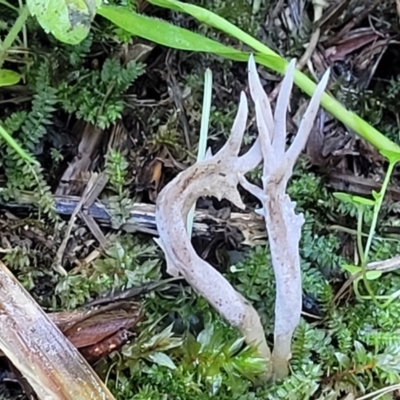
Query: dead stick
{"type": "Point", "coordinates": [142, 218]}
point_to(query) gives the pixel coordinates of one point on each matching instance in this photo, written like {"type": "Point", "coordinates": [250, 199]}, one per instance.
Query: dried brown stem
{"type": "Point", "coordinates": [51, 364]}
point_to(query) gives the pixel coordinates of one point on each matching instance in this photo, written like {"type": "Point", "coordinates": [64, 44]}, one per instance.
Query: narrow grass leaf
{"type": "Point", "coordinates": [205, 120]}
{"type": "Point", "coordinates": [17, 148]}
{"type": "Point", "coordinates": [278, 64]}
{"type": "Point", "coordinates": [214, 20]}
{"type": "Point", "coordinates": [166, 34]}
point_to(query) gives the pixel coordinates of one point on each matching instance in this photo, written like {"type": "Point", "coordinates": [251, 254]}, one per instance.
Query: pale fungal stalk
{"type": "Point", "coordinates": [219, 176]}
{"type": "Point", "coordinates": [282, 223]}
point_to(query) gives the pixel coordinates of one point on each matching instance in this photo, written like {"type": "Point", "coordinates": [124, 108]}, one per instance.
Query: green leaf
{"type": "Point", "coordinates": [205, 336]}
{"type": "Point", "coordinates": [214, 20]}
{"type": "Point", "coordinates": [68, 20]}
{"type": "Point", "coordinates": [8, 78]}
{"type": "Point", "coordinates": [343, 359]}
{"type": "Point", "coordinates": [360, 351]}
{"type": "Point", "coordinates": [345, 197]}
{"type": "Point", "coordinates": [162, 359]}
{"type": "Point", "coordinates": [356, 200]}
{"type": "Point", "coordinates": [274, 62]}
{"type": "Point", "coordinates": [372, 275]}
{"type": "Point", "coordinates": [363, 201]}
{"type": "Point", "coordinates": [166, 34]}
{"type": "Point", "coordinates": [236, 346]}
{"type": "Point", "coordinates": [350, 119]}
{"type": "Point", "coordinates": [392, 156]}
{"type": "Point", "coordinates": [353, 269]}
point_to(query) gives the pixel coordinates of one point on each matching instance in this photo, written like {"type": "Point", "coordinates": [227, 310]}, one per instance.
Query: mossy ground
{"type": "Point", "coordinates": [344, 346]}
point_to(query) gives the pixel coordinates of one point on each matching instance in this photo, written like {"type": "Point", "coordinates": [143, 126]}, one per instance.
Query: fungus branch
{"type": "Point", "coordinates": [282, 223]}
{"type": "Point", "coordinates": [219, 176]}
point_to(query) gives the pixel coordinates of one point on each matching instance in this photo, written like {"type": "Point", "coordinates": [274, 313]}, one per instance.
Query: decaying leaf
{"type": "Point", "coordinates": [98, 331]}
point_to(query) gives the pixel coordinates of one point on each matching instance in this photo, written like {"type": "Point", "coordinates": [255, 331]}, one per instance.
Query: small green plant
{"type": "Point", "coordinates": [120, 201]}
{"type": "Point", "coordinates": [9, 77]}
{"type": "Point", "coordinates": [29, 129]}
{"type": "Point", "coordinates": [361, 204]}
{"type": "Point", "coordinates": [350, 350]}
{"type": "Point", "coordinates": [127, 262]}
{"type": "Point", "coordinates": [212, 363]}
{"type": "Point", "coordinates": [254, 278]}
{"type": "Point", "coordinates": [96, 96]}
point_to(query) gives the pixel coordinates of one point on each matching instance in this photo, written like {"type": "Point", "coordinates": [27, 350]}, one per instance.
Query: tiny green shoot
{"type": "Point", "coordinates": [205, 120]}
{"type": "Point", "coordinates": [361, 203]}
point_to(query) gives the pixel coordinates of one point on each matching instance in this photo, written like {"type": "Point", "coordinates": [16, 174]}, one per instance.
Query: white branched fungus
{"type": "Point", "coordinates": [219, 176]}
{"type": "Point", "coordinates": [282, 223]}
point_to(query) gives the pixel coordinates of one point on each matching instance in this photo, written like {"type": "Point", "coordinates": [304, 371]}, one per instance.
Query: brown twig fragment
{"type": "Point", "coordinates": [37, 348]}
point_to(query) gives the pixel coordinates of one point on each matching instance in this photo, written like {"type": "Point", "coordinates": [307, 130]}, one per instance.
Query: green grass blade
{"type": "Point", "coordinates": [13, 33]}
{"type": "Point", "coordinates": [214, 20]}
{"type": "Point", "coordinates": [166, 34]}
{"type": "Point", "coordinates": [18, 149]}
{"type": "Point", "coordinates": [350, 119]}
{"type": "Point", "coordinates": [205, 121]}
{"type": "Point", "coordinates": [265, 56]}
{"type": "Point", "coordinates": [7, 4]}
